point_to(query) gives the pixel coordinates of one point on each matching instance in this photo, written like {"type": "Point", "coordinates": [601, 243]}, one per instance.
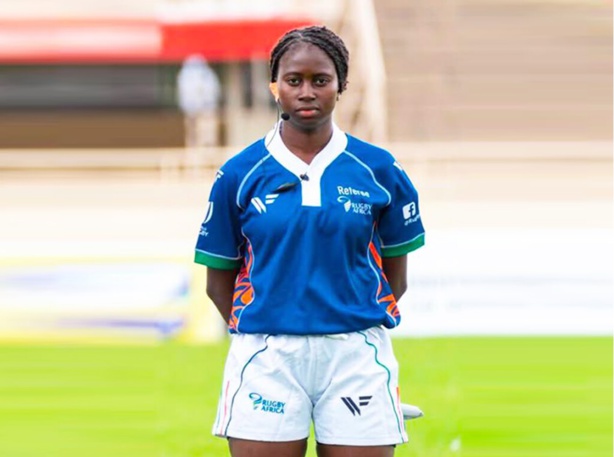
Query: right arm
{"type": "Point", "coordinates": [220, 289]}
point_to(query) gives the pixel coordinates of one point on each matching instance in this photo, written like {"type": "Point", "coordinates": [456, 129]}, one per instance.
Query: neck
{"type": "Point", "coordinates": [303, 143]}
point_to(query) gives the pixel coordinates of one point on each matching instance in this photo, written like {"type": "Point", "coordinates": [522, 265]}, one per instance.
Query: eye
{"type": "Point", "coordinates": [293, 81]}
{"type": "Point", "coordinates": [321, 81]}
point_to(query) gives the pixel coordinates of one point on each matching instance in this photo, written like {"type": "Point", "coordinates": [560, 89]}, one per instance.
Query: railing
{"type": "Point", "coordinates": [175, 162]}
{"type": "Point", "coordinates": [167, 163]}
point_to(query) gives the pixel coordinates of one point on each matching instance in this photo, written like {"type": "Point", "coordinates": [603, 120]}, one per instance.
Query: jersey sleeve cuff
{"type": "Point", "coordinates": [219, 263]}
{"type": "Point", "coordinates": [402, 249]}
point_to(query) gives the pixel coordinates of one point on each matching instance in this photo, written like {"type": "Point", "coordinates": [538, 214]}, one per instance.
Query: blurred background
{"type": "Point", "coordinates": [501, 113]}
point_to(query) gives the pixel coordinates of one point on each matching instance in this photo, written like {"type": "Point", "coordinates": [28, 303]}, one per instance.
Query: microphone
{"type": "Point", "coordinates": [285, 116]}
{"type": "Point", "coordinates": [285, 187]}
{"type": "Point", "coordinates": [304, 177]}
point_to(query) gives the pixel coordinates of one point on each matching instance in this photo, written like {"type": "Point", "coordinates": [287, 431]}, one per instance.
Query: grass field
{"type": "Point", "coordinates": [483, 397]}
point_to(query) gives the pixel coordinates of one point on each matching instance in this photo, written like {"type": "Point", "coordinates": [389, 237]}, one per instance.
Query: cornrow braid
{"type": "Point", "coordinates": [319, 36]}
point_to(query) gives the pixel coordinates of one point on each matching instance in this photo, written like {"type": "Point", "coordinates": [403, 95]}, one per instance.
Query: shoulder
{"type": "Point", "coordinates": [376, 158]}
{"type": "Point", "coordinates": [380, 162]}
{"type": "Point", "coordinates": [232, 177]}
{"type": "Point", "coordinates": [240, 164]}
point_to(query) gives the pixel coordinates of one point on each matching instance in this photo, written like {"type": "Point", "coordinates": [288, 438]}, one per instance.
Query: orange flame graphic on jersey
{"type": "Point", "coordinates": [244, 291]}
{"type": "Point", "coordinates": [387, 301]}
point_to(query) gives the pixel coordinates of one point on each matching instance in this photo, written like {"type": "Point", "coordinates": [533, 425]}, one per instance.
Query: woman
{"type": "Point", "coordinates": [305, 240]}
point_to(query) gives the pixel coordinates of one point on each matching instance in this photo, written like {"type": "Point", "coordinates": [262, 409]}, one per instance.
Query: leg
{"type": "Point", "coordinates": [247, 448]}
{"type": "Point", "coordinates": [359, 414]}
{"type": "Point", "coordinates": [263, 409]}
{"type": "Point", "coordinates": [329, 450]}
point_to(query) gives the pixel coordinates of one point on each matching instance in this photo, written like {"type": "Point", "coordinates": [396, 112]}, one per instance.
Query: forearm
{"type": "Point", "coordinates": [395, 269]}
{"type": "Point", "coordinates": [220, 289]}
{"type": "Point", "coordinates": [399, 287]}
{"type": "Point", "coordinates": [223, 303]}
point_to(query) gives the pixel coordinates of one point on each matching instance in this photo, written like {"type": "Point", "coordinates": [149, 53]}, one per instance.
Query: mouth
{"type": "Point", "coordinates": [307, 111]}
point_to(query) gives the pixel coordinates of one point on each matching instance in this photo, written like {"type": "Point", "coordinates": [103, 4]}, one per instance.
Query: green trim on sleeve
{"type": "Point", "coordinates": [219, 263]}
{"type": "Point", "coordinates": [402, 249]}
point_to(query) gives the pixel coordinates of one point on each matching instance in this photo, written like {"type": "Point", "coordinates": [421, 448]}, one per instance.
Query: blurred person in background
{"type": "Point", "coordinates": [305, 238]}
{"type": "Point", "coordinates": [199, 94]}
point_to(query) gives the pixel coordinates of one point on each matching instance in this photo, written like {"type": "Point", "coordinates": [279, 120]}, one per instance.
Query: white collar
{"type": "Point", "coordinates": [335, 146]}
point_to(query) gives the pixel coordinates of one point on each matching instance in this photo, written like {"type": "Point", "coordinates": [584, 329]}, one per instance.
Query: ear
{"type": "Point", "coordinates": [274, 91]}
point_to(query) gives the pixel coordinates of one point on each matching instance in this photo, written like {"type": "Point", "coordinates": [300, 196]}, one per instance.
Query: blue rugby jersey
{"type": "Point", "coordinates": [309, 239]}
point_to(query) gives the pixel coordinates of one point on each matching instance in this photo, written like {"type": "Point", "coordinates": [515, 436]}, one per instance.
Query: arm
{"type": "Point", "coordinates": [220, 289]}
{"type": "Point", "coordinates": [395, 269]}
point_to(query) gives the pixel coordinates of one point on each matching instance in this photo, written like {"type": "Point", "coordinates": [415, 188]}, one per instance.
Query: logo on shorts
{"type": "Point", "coordinates": [351, 404]}
{"type": "Point", "coordinates": [262, 404]}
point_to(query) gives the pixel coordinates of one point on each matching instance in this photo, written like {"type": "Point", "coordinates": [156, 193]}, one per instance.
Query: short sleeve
{"type": "Point", "coordinates": [400, 224]}
{"type": "Point", "coordinates": [219, 241]}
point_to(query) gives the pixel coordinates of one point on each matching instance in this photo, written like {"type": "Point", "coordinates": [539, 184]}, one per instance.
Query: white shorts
{"type": "Point", "coordinates": [348, 384]}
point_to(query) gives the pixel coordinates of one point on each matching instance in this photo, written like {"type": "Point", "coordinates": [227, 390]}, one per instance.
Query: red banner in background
{"type": "Point", "coordinates": [138, 41]}
{"type": "Point", "coordinates": [221, 41]}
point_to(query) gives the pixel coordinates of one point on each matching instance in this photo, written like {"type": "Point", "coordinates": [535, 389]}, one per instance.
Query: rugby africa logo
{"type": "Point", "coordinates": [349, 205]}
{"type": "Point", "coordinates": [270, 406]}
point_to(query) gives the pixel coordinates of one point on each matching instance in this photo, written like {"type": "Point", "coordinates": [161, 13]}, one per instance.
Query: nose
{"type": "Point", "coordinates": [306, 92]}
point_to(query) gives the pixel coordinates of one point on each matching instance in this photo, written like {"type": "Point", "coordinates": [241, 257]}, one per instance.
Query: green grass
{"type": "Point", "coordinates": [483, 397]}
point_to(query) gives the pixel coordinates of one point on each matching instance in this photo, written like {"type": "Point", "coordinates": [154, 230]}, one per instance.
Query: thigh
{"type": "Point", "coordinates": [360, 405]}
{"type": "Point", "coordinates": [262, 398]}
{"type": "Point", "coordinates": [248, 448]}
{"type": "Point", "coordinates": [328, 450]}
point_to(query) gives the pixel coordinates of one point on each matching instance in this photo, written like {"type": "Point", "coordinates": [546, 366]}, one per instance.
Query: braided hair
{"type": "Point", "coordinates": [319, 36]}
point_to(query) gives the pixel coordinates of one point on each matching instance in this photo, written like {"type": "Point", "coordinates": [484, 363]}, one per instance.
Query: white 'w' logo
{"type": "Point", "coordinates": [261, 207]}
{"type": "Point", "coordinates": [258, 205]}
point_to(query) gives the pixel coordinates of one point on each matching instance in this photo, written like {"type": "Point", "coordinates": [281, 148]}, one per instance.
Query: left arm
{"type": "Point", "coordinates": [220, 289]}
{"type": "Point", "coordinates": [395, 269]}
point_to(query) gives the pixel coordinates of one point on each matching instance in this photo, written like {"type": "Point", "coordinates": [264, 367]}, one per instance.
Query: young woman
{"type": "Point", "coordinates": [305, 239]}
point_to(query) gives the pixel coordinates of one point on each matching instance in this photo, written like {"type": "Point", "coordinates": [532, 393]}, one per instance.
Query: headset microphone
{"type": "Point", "coordinates": [275, 91]}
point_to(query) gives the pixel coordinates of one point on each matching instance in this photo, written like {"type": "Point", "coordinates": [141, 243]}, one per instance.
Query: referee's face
{"type": "Point", "coordinates": [308, 85]}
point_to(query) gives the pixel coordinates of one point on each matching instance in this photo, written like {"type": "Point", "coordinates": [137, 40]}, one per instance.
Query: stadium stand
{"type": "Point", "coordinates": [480, 70]}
